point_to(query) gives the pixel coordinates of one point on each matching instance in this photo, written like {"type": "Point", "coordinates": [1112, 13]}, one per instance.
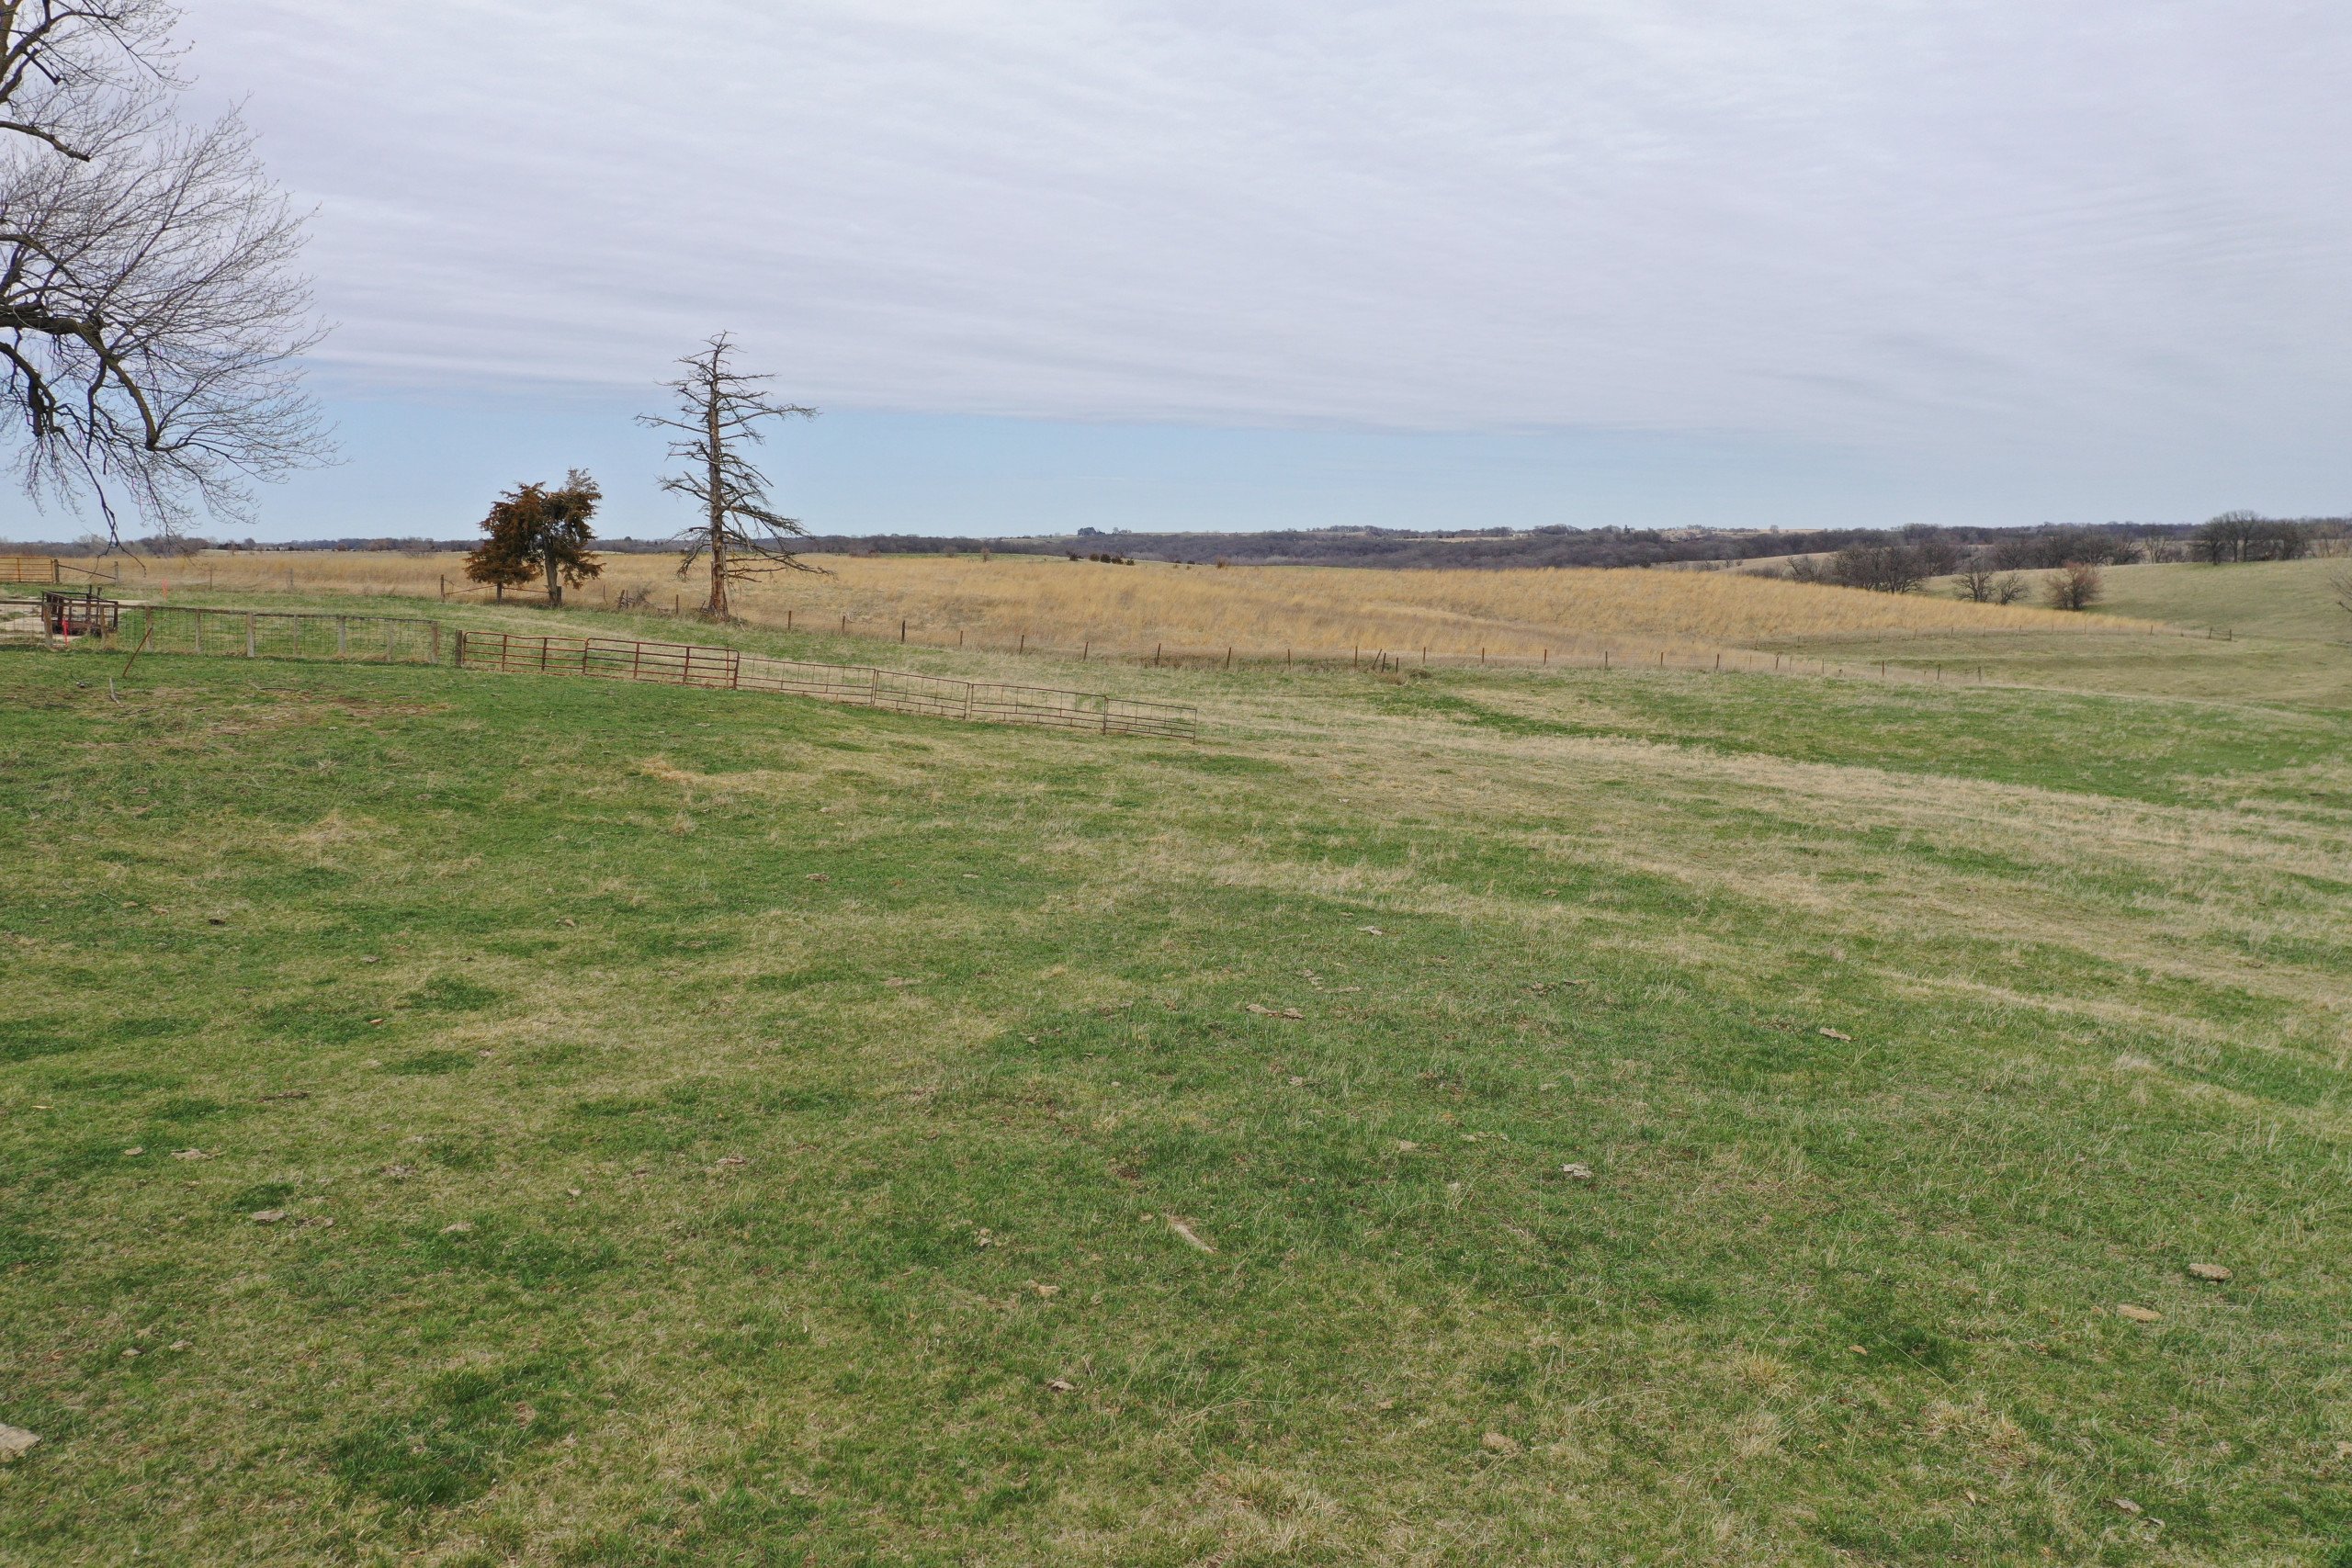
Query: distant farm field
{"type": "Point", "coordinates": [1474, 1118]}
{"type": "Point", "coordinates": [1261, 612]}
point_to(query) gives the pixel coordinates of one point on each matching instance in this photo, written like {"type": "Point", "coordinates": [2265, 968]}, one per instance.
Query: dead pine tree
{"type": "Point", "coordinates": [721, 411]}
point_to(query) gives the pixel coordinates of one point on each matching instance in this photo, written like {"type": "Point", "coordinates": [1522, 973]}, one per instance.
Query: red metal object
{"type": "Point", "coordinates": [79, 614]}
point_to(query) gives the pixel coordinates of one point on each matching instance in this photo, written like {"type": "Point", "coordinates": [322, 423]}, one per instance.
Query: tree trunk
{"type": "Point", "coordinates": [555, 588]}
{"type": "Point", "coordinates": [718, 606]}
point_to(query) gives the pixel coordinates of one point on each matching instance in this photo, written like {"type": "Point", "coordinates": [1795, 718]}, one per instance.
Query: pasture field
{"type": "Point", "coordinates": [2258, 632]}
{"type": "Point", "coordinates": [713, 1129]}
{"type": "Point", "coordinates": [1261, 612]}
{"type": "Point", "coordinates": [2295, 600]}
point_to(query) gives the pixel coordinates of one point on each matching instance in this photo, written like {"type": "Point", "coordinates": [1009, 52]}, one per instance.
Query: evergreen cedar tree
{"type": "Point", "coordinates": [533, 531]}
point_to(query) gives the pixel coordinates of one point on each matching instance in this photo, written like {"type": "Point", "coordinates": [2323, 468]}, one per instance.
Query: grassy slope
{"type": "Point", "coordinates": [2272, 632]}
{"type": "Point", "coordinates": [968, 1004]}
{"type": "Point", "coordinates": [2268, 599]}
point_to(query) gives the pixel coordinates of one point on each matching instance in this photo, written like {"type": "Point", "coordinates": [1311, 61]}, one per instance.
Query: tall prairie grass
{"type": "Point", "coordinates": [1259, 611]}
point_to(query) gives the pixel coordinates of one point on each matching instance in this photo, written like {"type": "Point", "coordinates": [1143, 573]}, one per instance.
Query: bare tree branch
{"type": "Point", "coordinates": [151, 318]}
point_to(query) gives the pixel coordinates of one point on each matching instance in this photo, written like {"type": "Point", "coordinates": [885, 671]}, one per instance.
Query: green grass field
{"type": "Point", "coordinates": [2275, 599]}
{"type": "Point", "coordinates": [722, 1130]}
{"type": "Point", "coordinates": [2262, 632]}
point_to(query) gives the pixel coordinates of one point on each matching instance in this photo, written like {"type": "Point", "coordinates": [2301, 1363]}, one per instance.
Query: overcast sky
{"type": "Point", "coordinates": [1214, 264]}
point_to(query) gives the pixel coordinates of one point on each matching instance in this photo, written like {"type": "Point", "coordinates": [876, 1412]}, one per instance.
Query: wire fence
{"type": "Point", "coordinates": [278, 634]}
{"type": "Point", "coordinates": [691, 664]}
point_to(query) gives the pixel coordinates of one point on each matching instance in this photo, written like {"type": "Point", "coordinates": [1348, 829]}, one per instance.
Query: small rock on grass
{"type": "Point", "coordinates": [267, 1216]}
{"type": "Point", "coordinates": [1498, 1443]}
{"type": "Point", "coordinates": [460, 1228]}
{"type": "Point", "coordinates": [2138, 1313]}
{"type": "Point", "coordinates": [16, 1442]}
{"type": "Point", "coordinates": [2125, 1504]}
{"type": "Point", "coordinates": [1061, 1385]}
{"type": "Point", "coordinates": [1576, 1173]}
{"type": "Point", "coordinates": [1836, 1034]}
{"type": "Point", "coordinates": [2214, 1271]}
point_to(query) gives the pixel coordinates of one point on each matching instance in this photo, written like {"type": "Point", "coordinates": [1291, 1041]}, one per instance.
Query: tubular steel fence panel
{"type": "Point", "coordinates": [689, 664]}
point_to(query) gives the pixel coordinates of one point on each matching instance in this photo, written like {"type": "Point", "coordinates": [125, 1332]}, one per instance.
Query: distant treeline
{"type": "Point", "coordinates": [2046, 545]}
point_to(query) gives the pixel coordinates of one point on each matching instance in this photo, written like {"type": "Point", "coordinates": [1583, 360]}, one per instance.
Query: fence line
{"type": "Point", "coordinates": [691, 664]}
{"type": "Point", "coordinates": [280, 634]}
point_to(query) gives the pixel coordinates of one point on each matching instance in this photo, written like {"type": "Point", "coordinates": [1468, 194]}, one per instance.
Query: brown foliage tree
{"type": "Point", "coordinates": [2077, 585]}
{"type": "Point", "coordinates": [533, 531]}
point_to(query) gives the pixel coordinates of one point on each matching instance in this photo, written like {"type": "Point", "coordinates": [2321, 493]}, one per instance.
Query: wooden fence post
{"type": "Point", "coordinates": [436, 642]}
{"type": "Point", "coordinates": [249, 633]}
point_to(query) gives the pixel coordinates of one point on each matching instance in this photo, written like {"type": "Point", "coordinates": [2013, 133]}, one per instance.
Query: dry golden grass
{"type": "Point", "coordinates": [1261, 611]}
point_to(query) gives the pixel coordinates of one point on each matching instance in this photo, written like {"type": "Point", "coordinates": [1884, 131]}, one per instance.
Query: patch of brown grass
{"type": "Point", "coordinates": [1046, 601]}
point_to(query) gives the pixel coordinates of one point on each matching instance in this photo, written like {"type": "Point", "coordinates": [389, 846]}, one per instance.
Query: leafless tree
{"type": "Point", "coordinates": [721, 411]}
{"type": "Point", "coordinates": [2340, 584]}
{"type": "Point", "coordinates": [2077, 585]}
{"type": "Point", "coordinates": [151, 316]}
{"type": "Point", "coordinates": [1977, 579]}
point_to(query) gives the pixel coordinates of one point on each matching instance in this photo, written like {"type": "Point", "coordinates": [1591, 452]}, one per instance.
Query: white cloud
{"type": "Point", "coordinates": [2111, 227]}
